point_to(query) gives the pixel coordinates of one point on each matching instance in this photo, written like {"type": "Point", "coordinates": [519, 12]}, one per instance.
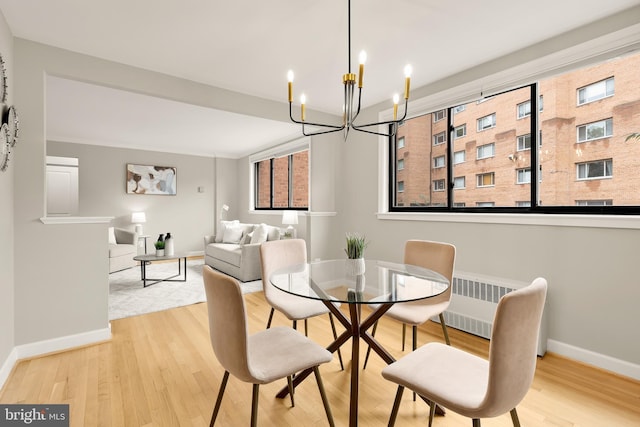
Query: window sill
{"type": "Point", "coordinates": [75, 219]}
{"type": "Point", "coordinates": [597, 221]}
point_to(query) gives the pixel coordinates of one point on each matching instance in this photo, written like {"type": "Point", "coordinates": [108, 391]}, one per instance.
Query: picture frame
{"type": "Point", "coordinates": [151, 180]}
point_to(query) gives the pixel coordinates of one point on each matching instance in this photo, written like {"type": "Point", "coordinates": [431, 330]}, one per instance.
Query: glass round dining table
{"type": "Point", "coordinates": [377, 283]}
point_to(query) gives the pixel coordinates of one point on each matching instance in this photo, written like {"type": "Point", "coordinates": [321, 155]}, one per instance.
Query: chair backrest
{"type": "Point", "coordinates": [227, 322]}
{"type": "Point", "coordinates": [437, 256]}
{"type": "Point", "coordinates": [278, 254]}
{"type": "Point", "coordinates": [512, 351]}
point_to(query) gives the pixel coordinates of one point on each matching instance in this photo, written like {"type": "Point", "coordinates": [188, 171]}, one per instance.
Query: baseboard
{"type": "Point", "coordinates": [598, 360]}
{"type": "Point", "coordinates": [51, 346]}
{"type": "Point", "coordinates": [7, 367]}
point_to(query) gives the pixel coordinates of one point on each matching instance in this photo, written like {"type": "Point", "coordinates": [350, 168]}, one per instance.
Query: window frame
{"type": "Point", "coordinates": [605, 95]}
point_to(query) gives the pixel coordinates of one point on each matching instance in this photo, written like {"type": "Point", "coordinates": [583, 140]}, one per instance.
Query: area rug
{"type": "Point", "coordinates": [128, 298]}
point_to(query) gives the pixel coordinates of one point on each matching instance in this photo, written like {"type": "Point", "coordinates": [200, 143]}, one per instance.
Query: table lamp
{"type": "Point", "coordinates": [290, 218]}
{"type": "Point", "coordinates": [138, 218]}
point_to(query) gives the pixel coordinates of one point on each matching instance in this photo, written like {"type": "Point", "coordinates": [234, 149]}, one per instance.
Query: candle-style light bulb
{"type": "Point", "coordinates": [290, 84]}
{"type": "Point", "coordinates": [362, 58]}
{"type": "Point", "coordinates": [303, 100]}
{"type": "Point", "coordinates": [407, 82]}
{"type": "Point", "coordinates": [396, 98]}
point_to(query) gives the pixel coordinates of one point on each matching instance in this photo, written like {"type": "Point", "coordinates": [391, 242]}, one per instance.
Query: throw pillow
{"type": "Point", "coordinates": [259, 234]}
{"type": "Point", "coordinates": [232, 234]}
{"type": "Point", "coordinates": [274, 233]}
{"type": "Point", "coordinates": [222, 227]}
{"type": "Point", "coordinates": [112, 236]}
{"type": "Point", "coordinates": [246, 239]}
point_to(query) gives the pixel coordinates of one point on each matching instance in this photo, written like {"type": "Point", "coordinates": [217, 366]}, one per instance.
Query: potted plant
{"type": "Point", "coordinates": [159, 247]}
{"type": "Point", "coordinates": [356, 245]}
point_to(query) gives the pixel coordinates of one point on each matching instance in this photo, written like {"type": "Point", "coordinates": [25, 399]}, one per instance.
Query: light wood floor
{"type": "Point", "coordinates": [159, 370]}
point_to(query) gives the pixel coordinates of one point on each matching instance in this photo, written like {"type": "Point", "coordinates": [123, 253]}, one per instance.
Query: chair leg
{"type": "Point", "coordinates": [291, 389]}
{"type": "Point", "coordinates": [373, 334]}
{"type": "Point", "coordinates": [514, 418]}
{"type": "Point", "coordinates": [325, 401]}
{"type": "Point", "coordinates": [335, 337]}
{"type": "Point", "coordinates": [404, 334]}
{"type": "Point", "coordinates": [295, 325]}
{"type": "Point", "coordinates": [270, 317]}
{"type": "Point", "coordinates": [223, 385]}
{"type": "Point", "coordinates": [306, 328]}
{"type": "Point", "coordinates": [254, 406]}
{"type": "Point", "coordinates": [396, 406]}
{"type": "Point", "coordinates": [444, 329]}
{"type": "Point", "coordinates": [476, 422]}
{"type": "Point", "coordinates": [432, 412]}
{"type": "Point", "coordinates": [414, 346]}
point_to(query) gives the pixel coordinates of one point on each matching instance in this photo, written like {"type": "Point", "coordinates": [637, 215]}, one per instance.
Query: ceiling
{"type": "Point", "coordinates": [249, 46]}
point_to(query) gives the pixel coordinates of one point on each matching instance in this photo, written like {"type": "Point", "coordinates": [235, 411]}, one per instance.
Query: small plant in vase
{"type": "Point", "coordinates": [159, 248]}
{"type": "Point", "coordinates": [356, 245]}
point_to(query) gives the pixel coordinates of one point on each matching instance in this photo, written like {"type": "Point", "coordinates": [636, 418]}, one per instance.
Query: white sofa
{"type": "Point", "coordinates": [123, 246]}
{"type": "Point", "coordinates": [235, 249]}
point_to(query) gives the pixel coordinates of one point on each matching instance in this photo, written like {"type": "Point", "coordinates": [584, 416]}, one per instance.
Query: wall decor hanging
{"type": "Point", "coordinates": [145, 179]}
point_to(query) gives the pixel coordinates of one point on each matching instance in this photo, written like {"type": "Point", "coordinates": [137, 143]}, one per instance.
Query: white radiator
{"type": "Point", "coordinates": [473, 304]}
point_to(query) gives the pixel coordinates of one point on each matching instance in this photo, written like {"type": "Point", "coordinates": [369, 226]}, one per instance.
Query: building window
{"type": "Point", "coordinates": [439, 138]}
{"type": "Point", "coordinates": [485, 179]}
{"type": "Point", "coordinates": [439, 162]}
{"type": "Point", "coordinates": [524, 109]}
{"type": "Point", "coordinates": [459, 109]}
{"type": "Point", "coordinates": [595, 91]}
{"type": "Point", "coordinates": [460, 131]}
{"type": "Point", "coordinates": [282, 182]}
{"type": "Point", "coordinates": [485, 204]}
{"type": "Point", "coordinates": [595, 170]}
{"type": "Point", "coordinates": [607, 202]}
{"type": "Point", "coordinates": [459, 182]}
{"type": "Point", "coordinates": [595, 130]}
{"type": "Point", "coordinates": [485, 151]}
{"type": "Point", "coordinates": [523, 176]}
{"type": "Point", "coordinates": [523, 204]}
{"type": "Point", "coordinates": [487, 122]}
{"type": "Point", "coordinates": [400, 142]}
{"type": "Point", "coordinates": [524, 142]}
{"type": "Point", "coordinates": [400, 186]}
{"type": "Point", "coordinates": [439, 115]}
{"type": "Point", "coordinates": [400, 164]}
{"type": "Point", "coordinates": [459, 157]}
{"type": "Point", "coordinates": [438, 185]}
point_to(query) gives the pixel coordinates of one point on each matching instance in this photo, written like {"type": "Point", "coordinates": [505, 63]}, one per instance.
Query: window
{"type": "Point", "coordinates": [595, 170]}
{"type": "Point", "coordinates": [523, 176]}
{"type": "Point", "coordinates": [485, 204]}
{"type": "Point", "coordinates": [487, 122]}
{"type": "Point", "coordinates": [524, 109]}
{"type": "Point", "coordinates": [438, 185]}
{"type": "Point", "coordinates": [282, 182]}
{"type": "Point", "coordinates": [595, 91]}
{"type": "Point", "coordinates": [580, 148]}
{"type": "Point", "coordinates": [439, 115]}
{"type": "Point", "coordinates": [608, 202]}
{"type": "Point", "coordinates": [401, 186]}
{"type": "Point", "coordinates": [400, 143]}
{"type": "Point", "coordinates": [439, 138]}
{"type": "Point", "coordinates": [400, 164]}
{"type": "Point", "coordinates": [524, 142]}
{"type": "Point", "coordinates": [485, 179]}
{"type": "Point", "coordinates": [484, 151]}
{"type": "Point", "coordinates": [595, 130]}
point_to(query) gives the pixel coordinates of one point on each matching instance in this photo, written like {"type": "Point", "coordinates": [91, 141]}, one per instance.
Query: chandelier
{"type": "Point", "coordinates": [349, 111]}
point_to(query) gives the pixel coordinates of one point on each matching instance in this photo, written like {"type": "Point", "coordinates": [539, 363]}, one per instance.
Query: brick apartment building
{"type": "Point", "coordinates": [584, 119]}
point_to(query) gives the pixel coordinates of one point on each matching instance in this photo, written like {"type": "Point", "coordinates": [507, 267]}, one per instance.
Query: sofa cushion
{"type": "Point", "coordinates": [222, 226]}
{"type": "Point", "coordinates": [260, 233]}
{"type": "Point", "coordinates": [232, 234]}
{"type": "Point", "coordinates": [119, 250]}
{"type": "Point", "coordinates": [226, 252]}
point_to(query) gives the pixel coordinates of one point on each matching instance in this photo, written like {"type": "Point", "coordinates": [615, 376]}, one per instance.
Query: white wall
{"type": "Point", "coordinates": [7, 339]}
{"type": "Point", "coordinates": [187, 216]}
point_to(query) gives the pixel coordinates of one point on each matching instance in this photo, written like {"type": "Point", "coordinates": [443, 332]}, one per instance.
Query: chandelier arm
{"type": "Point", "coordinates": [334, 127]}
{"type": "Point", "coordinates": [388, 122]}
{"type": "Point", "coordinates": [305, 133]}
{"type": "Point", "coordinates": [375, 133]}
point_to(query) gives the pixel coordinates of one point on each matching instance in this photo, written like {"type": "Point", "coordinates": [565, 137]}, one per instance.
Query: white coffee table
{"type": "Point", "coordinates": [148, 259]}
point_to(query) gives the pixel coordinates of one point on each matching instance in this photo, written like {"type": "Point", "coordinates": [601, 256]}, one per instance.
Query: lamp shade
{"type": "Point", "coordinates": [138, 217]}
{"type": "Point", "coordinates": [290, 217]}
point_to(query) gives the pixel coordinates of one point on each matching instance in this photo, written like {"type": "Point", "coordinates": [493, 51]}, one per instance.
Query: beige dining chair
{"type": "Point", "coordinates": [260, 358]}
{"type": "Point", "coordinates": [278, 254]}
{"type": "Point", "coordinates": [436, 256]}
{"type": "Point", "coordinates": [472, 386]}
